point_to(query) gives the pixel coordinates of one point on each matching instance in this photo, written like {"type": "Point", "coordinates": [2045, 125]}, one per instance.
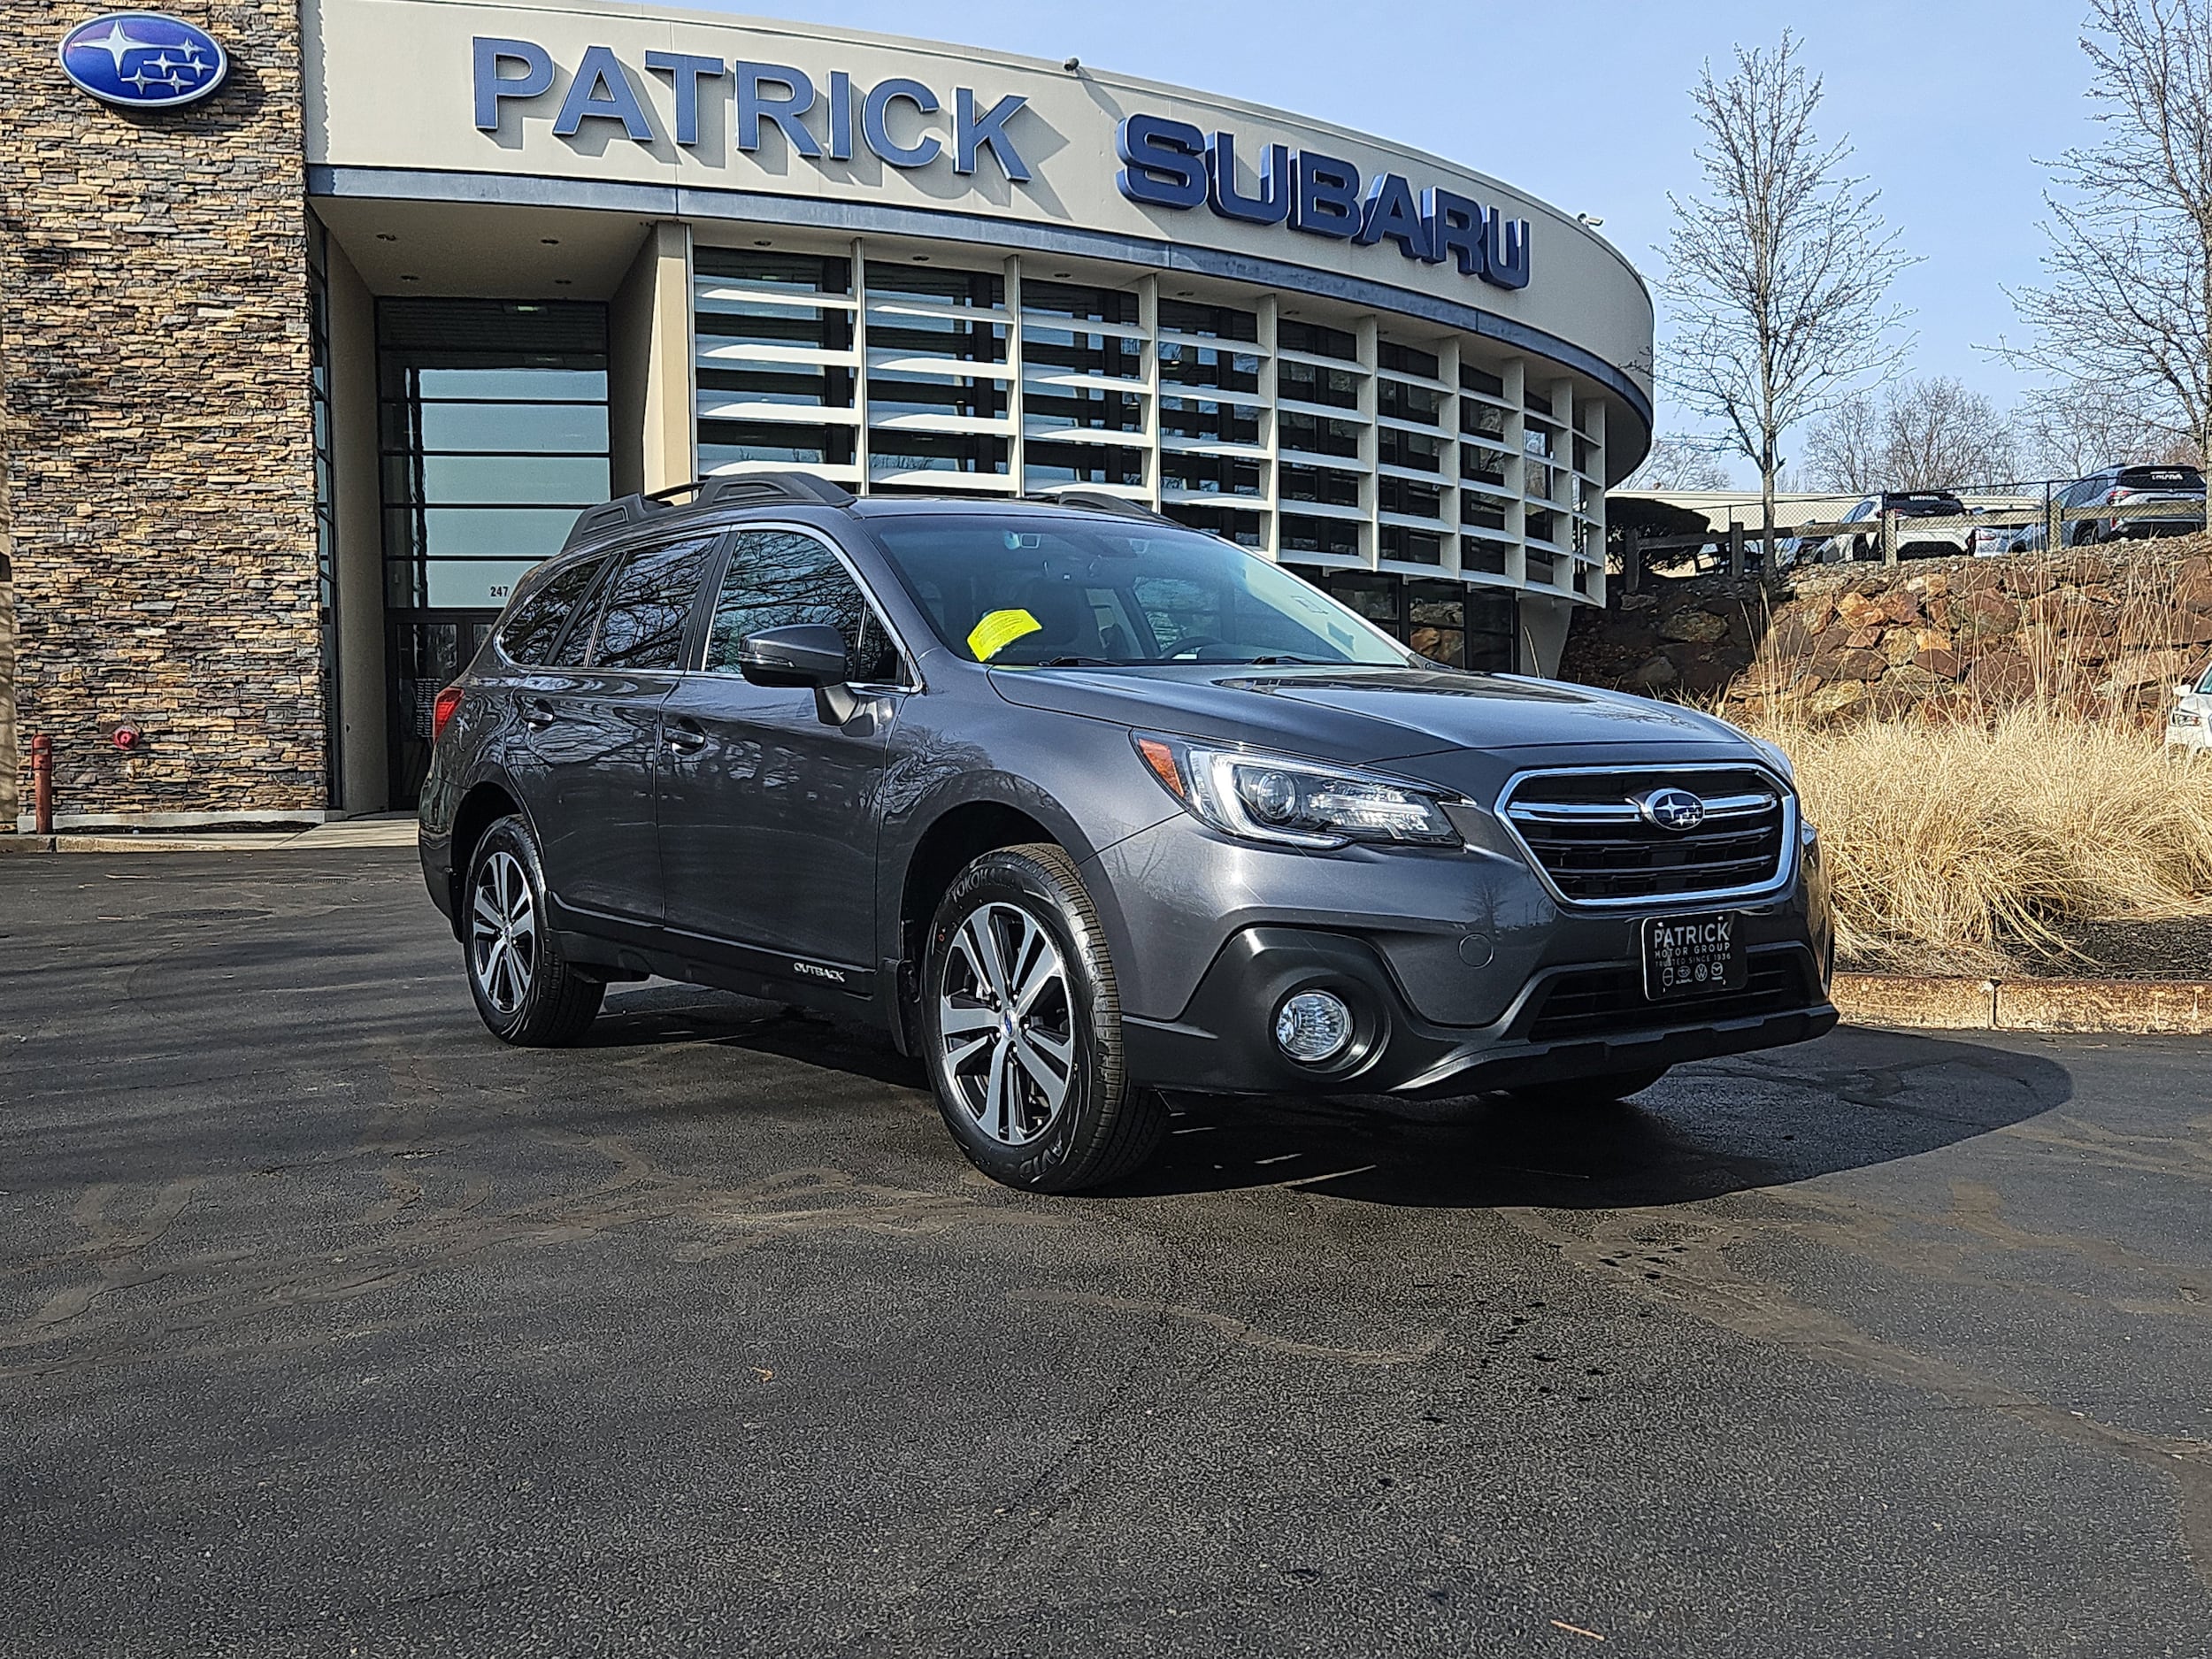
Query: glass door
{"type": "Point", "coordinates": [494, 437]}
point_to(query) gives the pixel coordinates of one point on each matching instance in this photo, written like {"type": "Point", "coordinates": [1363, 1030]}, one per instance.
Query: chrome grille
{"type": "Point", "coordinates": [1589, 834]}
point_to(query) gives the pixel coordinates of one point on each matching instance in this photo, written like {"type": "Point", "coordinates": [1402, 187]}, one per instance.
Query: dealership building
{"type": "Point", "coordinates": [310, 353]}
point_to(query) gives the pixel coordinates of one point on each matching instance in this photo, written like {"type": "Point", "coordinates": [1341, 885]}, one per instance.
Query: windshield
{"type": "Point", "coordinates": [1032, 591]}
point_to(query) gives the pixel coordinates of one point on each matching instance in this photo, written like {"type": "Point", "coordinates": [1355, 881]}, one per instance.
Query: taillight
{"type": "Point", "coordinates": [2112, 495]}
{"type": "Point", "coordinates": [441, 710]}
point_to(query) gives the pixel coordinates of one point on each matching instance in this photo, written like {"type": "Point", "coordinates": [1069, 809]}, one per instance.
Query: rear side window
{"type": "Point", "coordinates": [648, 605]}
{"type": "Point", "coordinates": [534, 628]}
{"type": "Point", "coordinates": [780, 577]}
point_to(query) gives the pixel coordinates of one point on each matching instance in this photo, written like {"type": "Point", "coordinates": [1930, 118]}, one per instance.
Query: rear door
{"type": "Point", "coordinates": [768, 815]}
{"type": "Point", "coordinates": [589, 756]}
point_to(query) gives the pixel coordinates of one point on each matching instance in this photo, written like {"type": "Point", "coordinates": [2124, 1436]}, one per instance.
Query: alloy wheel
{"type": "Point", "coordinates": [1007, 1022]}
{"type": "Point", "coordinates": [502, 931]}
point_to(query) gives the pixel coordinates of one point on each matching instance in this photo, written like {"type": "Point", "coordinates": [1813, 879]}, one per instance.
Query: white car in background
{"type": "Point", "coordinates": [2189, 726]}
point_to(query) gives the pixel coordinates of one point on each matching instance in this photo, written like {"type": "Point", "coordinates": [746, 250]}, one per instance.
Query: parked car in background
{"type": "Point", "coordinates": [1992, 540]}
{"type": "Point", "coordinates": [2189, 726]}
{"type": "Point", "coordinates": [1077, 805]}
{"type": "Point", "coordinates": [1917, 539]}
{"type": "Point", "coordinates": [2136, 487]}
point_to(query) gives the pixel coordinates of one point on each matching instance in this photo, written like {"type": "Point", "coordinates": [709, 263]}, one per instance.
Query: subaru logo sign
{"type": "Point", "coordinates": [1676, 809]}
{"type": "Point", "coordinates": [142, 60]}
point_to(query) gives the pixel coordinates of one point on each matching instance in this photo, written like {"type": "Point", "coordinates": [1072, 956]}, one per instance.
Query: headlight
{"type": "Point", "coordinates": [1295, 802]}
{"type": "Point", "coordinates": [1781, 761]}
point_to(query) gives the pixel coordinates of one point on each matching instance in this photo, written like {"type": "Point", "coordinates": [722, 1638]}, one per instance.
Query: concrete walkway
{"type": "Point", "coordinates": [388, 830]}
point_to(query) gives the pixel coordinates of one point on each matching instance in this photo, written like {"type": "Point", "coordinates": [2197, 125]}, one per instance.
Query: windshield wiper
{"type": "Point", "coordinates": [1286, 659]}
{"type": "Point", "coordinates": [1079, 662]}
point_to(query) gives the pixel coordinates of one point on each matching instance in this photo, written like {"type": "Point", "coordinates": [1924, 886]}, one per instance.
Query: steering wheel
{"type": "Point", "coordinates": [1191, 647]}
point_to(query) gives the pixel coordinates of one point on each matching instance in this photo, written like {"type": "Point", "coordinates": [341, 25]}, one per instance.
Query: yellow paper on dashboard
{"type": "Point", "coordinates": [999, 630]}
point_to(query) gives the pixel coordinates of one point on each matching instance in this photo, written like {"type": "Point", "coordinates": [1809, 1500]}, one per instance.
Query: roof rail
{"type": "Point", "coordinates": [735, 489]}
{"type": "Point", "coordinates": [1101, 500]}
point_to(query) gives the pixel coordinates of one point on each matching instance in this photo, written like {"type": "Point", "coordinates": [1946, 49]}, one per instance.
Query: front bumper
{"type": "Point", "coordinates": [1462, 971]}
{"type": "Point", "coordinates": [1574, 1020]}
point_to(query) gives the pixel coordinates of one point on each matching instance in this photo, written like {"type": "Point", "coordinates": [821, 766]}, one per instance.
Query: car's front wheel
{"type": "Point", "coordinates": [525, 990]}
{"type": "Point", "coordinates": [1022, 1026]}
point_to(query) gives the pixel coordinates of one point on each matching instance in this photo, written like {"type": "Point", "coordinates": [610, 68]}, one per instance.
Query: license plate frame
{"type": "Point", "coordinates": [1701, 955]}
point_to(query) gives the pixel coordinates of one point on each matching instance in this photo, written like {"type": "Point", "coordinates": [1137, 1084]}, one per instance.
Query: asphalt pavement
{"type": "Point", "coordinates": [329, 1327]}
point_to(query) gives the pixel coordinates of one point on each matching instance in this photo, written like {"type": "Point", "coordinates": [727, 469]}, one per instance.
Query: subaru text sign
{"type": "Point", "coordinates": [899, 120]}
{"type": "Point", "coordinates": [143, 60]}
{"type": "Point", "coordinates": [1174, 165]}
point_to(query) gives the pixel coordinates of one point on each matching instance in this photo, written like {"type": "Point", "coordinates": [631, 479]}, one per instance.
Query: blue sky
{"type": "Point", "coordinates": [1585, 103]}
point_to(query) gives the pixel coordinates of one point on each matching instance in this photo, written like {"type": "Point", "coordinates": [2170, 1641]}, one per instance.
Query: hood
{"type": "Point", "coordinates": [1366, 715]}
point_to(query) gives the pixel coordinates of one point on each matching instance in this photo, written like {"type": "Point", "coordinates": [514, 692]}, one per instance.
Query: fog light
{"type": "Point", "coordinates": [1313, 1027]}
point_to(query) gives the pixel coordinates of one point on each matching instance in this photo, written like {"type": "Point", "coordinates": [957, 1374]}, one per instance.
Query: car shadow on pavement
{"type": "Point", "coordinates": [658, 1012]}
{"type": "Point", "coordinates": [1854, 1099]}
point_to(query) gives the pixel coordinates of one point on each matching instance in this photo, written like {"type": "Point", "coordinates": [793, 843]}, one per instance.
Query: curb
{"type": "Point", "coordinates": [2181, 1008]}
{"type": "Point", "coordinates": [331, 837]}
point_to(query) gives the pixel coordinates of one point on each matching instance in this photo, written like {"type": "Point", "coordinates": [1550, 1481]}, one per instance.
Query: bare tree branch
{"type": "Point", "coordinates": [2125, 312]}
{"type": "Point", "coordinates": [1921, 434]}
{"type": "Point", "coordinates": [1779, 273]}
{"type": "Point", "coordinates": [1676, 463]}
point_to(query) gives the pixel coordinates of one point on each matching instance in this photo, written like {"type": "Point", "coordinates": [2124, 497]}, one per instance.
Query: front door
{"type": "Point", "coordinates": [768, 814]}
{"type": "Point", "coordinates": [592, 747]}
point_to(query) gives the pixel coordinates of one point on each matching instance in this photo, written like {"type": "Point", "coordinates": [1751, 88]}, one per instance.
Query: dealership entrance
{"type": "Point", "coordinates": [493, 436]}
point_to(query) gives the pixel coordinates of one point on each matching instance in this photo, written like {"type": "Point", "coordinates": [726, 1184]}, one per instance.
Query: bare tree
{"type": "Point", "coordinates": [1780, 272]}
{"type": "Point", "coordinates": [1930, 433]}
{"type": "Point", "coordinates": [2127, 306]}
{"type": "Point", "coordinates": [1676, 463]}
{"type": "Point", "coordinates": [2068, 431]}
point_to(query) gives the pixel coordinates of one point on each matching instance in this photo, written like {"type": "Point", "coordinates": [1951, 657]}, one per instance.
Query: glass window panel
{"type": "Point", "coordinates": [1082, 463]}
{"type": "Point", "coordinates": [1105, 306]}
{"type": "Point", "coordinates": [1320, 483]}
{"type": "Point", "coordinates": [453, 584]}
{"type": "Point", "coordinates": [524, 532]}
{"type": "Point", "coordinates": [1243, 529]}
{"type": "Point", "coordinates": [1407, 360]}
{"type": "Point", "coordinates": [1302, 534]}
{"type": "Point", "coordinates": [807, 272]}
{"type": "Point", "coordinates": [1214, 322]}
{"type": "Point", "coordinates": [1204, 365]}
{"type": "Point", "coordinates": [576, 480]}
{"type": "Point", "coordinates": [1315, 434]}
{"type": "Point", "coordinates": [981, 288]}
{"type": "Point", "coordinates": [726, 443]}
{"type": "Point", "coordinates": [512, 384]}
{"type": "Point", "coordinates": [936, 451]}
{"type": "Point", "coordinates": [779, 578]}
{"type": "Point", "coordinates": [1306, 383]}
{"type": "Point", "coordinates": [476, 428]}
{"type": "Point", "coordinates": [1412, 547]}
{"type": "Point", "coordinates": [648, 605]}
{"type": "Point", "coordinates": [1475, 380]}
{"type": "Point", "coordinates": [1317, 341]}
{"type": "Point", "coordinates": [1224, 475]}
{"type": "Point", "coordinates": [1482, 420]}
{"type": "Point", "coordinates": [1401, 401]}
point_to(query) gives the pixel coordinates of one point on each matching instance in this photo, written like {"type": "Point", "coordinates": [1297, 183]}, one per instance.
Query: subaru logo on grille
{"type": "Point", "coordinates": [142, 60]}
{"type": "Point", "coordinates": [1671, 809]}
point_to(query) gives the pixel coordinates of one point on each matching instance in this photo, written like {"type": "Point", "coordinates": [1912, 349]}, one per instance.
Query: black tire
{"type": "Point", "coordinates": [1015, 1020]}
{"type": "Point", "coordinates": [1581, 1093]}
{"type": "Point", "coordinates": [525, 990]}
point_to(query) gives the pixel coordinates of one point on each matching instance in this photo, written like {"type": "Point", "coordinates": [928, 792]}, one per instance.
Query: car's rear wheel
{"type": "Point", "coordinates": [1571, 1094]}
{"type": "Point", "coordinates": [525, 990]}
{"type": "Point", "coordinates": [1022, 1026]}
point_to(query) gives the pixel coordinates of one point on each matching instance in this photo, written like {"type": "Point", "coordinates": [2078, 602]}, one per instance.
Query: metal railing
{"type": "Point", "coordinates": [2040, 526]}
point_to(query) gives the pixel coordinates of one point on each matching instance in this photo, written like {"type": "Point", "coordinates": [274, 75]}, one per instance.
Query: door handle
{"type": "Point", "coordinates": [537, 714]}
{"type": "Point", "coordinates": [685, 738]}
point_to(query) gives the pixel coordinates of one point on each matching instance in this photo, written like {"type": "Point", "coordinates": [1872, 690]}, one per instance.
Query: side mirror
{"type": "Point", "coordinates": [810, 654]}
{"type": "Point", "coordinates": [2186, 689]}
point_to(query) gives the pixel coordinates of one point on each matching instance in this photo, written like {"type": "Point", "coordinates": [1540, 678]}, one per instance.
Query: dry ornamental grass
{"type": "Point", "coordinates": [1952, 848]}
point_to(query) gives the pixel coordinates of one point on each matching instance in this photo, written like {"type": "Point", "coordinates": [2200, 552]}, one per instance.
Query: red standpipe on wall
{"type": "Point", "coordinates": [43, 785]}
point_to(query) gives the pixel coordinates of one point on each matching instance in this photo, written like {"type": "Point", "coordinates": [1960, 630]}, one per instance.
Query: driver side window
{"type": "Point", "coordinates": [777, 578]}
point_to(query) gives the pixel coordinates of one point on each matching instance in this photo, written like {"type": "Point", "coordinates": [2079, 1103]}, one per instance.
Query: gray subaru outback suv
{"type": "Point", "coordinates": [1080, 805]}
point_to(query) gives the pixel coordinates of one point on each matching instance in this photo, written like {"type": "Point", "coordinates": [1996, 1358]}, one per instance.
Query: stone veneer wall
{"type": "Point", "coordinates": [2105, 630]}
{"type": "Point", "coordinates": [154, 364]}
